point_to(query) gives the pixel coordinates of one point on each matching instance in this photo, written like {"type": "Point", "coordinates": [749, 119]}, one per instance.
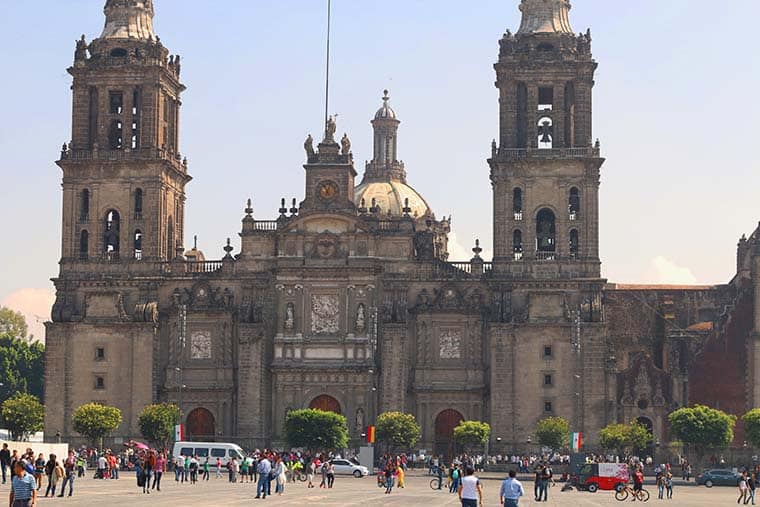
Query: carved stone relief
{"type": "Point", "coordinates": [450, 344]}
{"type": "Point", "coordinates": [325, 310]}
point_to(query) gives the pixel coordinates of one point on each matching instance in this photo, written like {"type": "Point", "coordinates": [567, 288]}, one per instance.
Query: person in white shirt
{"type": "Point", "coordinates": [470, 492]}
{"type": "Point", "coordinates": [511, 490]}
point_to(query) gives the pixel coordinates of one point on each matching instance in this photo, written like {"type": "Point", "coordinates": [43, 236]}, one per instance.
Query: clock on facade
{"type": "Point", "coordinates": [327, 190]}
{"type": "Point", "coordinates": [200, 345]}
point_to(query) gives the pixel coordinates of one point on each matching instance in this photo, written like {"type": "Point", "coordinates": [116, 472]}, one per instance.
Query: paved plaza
{"type": "Point", "coordinates": [347, 492]}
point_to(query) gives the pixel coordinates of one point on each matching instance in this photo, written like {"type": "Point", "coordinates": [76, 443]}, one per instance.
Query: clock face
{"type": "Point", "coordinates": [327, 190]}
{"type": "Point", "coordinates": [200, 345]}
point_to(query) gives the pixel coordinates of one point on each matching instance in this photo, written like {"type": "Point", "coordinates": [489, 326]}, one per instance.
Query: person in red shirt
{"type": "Point", "coordinates": [638, 480]}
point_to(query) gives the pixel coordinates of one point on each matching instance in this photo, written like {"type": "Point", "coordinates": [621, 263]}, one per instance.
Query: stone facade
{"type": "Point", "coordinates": [347, 301]}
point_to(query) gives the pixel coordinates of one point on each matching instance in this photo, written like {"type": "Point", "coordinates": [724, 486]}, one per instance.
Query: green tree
{"type": "Point", "coordinates": [157, 423]}
{"type": "Point", "coordinates": [23, 415]}
{"type": "Point", "coordinates": [625, 437]}
{"type": "Point", "coordinates": [702, 427]}
{"type": "Point", "coordinates": [752, 427]}
{"type": "Point", "coordinates": [12, 323]}
{"type": "Point", "coordinates": [96, 421]}
{"type": "Point", "coordinates": [553, 432]}
{"type": "Point", "coordinates": [472, 434]}
{"type": "Point", "coordinates": [397, 430]}
{"type": "Point", "coordinates": [316, 430]}
{"type": "Point", "coordinates": [21, 362]}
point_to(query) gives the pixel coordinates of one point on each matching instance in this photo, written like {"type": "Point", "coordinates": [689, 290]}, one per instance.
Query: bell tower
{"type": "Point", "coordinates": [123, 175]}
{"type": "Point", "coordinates": [545, 166]}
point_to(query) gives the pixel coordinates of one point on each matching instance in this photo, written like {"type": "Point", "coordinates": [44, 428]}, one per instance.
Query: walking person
{"type": "Point", "coordinates": [389, 477]}
{"type": "Point", "coordinates": [280, 476]}
{"type": "Point", "coordinates": [470, 491]}
{"type": "Point", "coordinates": [660, 482]}
{"type": "Point", "coordinates": [50, 472]}
{"type": "Point", "coordinates": [23, 491]}
{"type": "Point", "coordinates": [537, 483]}
{"type": "Point", "coordinates": [669, 486]}
{"type": "Point", "coordinates": [39, 470]}
{"type": "Point", "coordinates": [310, 474]}
{"type": "Point", "coordinates": [511, 490]}
{"type": "Point", "coordinates": [206, 469]}
{"type": "Point", "coordinates": [158, 473]}
{"type": "Point", "coordinates": [5, 463]}
{"type": "Point", "coordinates": [751, 486]}
{"type": "Point", "coordinates": [323, 471]}
{"type": "Point", "coordinates": [194, 470]}
{"type": "Point", "coordinates": [330, 474]}
{"type": "Point", "coordinates": [546, 480]}
{"type": "Point", "coordinates": [742, 488]}
{"type": "Point", "coordinates": [69, 474]}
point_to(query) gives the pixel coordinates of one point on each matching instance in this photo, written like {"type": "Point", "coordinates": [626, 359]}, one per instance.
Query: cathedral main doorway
{"type": "Point", "coordinates": [200, 423]}
{"type": "Point", "coordinates": [445, 423]}
{"type": "Point", "coordinates": [325, 403]}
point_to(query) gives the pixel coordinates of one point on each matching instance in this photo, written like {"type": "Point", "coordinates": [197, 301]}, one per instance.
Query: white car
{"type": "Point", "coordinates": [345, 467]}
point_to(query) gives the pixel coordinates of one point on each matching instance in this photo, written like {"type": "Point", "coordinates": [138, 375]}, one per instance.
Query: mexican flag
{"type": "Point", "coordinates": [576, 441]}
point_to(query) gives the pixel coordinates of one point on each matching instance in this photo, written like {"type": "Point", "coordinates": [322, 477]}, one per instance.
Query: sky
{"type": "Point", "coordinates": [673, 109]}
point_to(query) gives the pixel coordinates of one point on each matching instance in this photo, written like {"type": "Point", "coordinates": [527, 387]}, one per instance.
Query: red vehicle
{"type": "Point", "coordinates": [605, 476]}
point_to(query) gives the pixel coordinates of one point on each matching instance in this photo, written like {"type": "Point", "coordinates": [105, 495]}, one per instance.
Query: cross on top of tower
{"type": "Point", "coordinates": [545, 16]}
{"type": "Point", "coordinates": [128, 19]}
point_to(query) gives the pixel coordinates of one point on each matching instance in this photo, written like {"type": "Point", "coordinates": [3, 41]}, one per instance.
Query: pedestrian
{"type": "Point", "coordinates": [5, 462]}
{"type": "Point", "coordinates": [751, 486]}
{"type": "Point", "coordinates": [439, 473]}
{"type": "Point", "coordinates": [81, 464]}
{"type": "Point", "coordinates": [158, 472]}
{"type": "Point", "coordinates": [537, 483]}
{"type": "Point", "coordinates": [23, 491]}
{"type": "Point", "coordinates": [742, 488]}
{"type": "Point", "coordinates": [388, 477]}
{"type": "Point", "coordinates": [244, 470]}
{"type": "Point", "coordinates": [470, 491]}
{"type": "Point", "coordinates": [660, 482]}
{"type": "Point", "coordinates": [310, 474]}
{"type": "Point", "coordinates": [193, 470]}
{"type": "Point", "coordinates": [511, 490]}
{"type": "Point", "coordinates": [39, 470]}
{"type": "Point", "coordinates": [102, 472]}
{"type": "Point", "coordinates": [264, 468]}
{"type": "Point", "coordinates": [50, 472]}
{"type": "Point", "coordinates": [280, 476]}
{"type": "Point", "coordinates": [669, 485]}
{"type": "Point", "coordinates": [218, 468]}
{"type": "Point", "coordinates": [454, 487]}
{"type": "Point", "coordinates": [546, 480]}
{"type": "Point", "coordinates": [206, 469]}
{"type": "Point", "coordinates": [330, 474]}
{"type": "Point", "coordinates": [401, 476]}
{"type": "Point", "coordinates": [69, 474]}
{"type": "Point", "coordinates": [323, 470]}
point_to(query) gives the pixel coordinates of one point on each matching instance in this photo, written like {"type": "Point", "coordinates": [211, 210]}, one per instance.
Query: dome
{"type": "Point", "coordinates": [385, 112]}
{"type": "Point", "coordinates": [390, 196]}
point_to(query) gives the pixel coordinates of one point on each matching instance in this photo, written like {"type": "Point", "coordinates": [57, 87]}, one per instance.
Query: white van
{"type": "Point", "coordinates": [210, 450]}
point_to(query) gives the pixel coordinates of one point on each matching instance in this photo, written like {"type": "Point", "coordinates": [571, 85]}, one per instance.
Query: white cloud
{"type": "Point", "coordinates": [35, 305]}
{"type": "Point", "coordinates": [460, 253]}
{"type": "Point", "coordinates": [665, 271]}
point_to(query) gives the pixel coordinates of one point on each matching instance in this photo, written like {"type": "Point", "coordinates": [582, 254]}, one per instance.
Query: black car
{"type": "Point", "coordinates": [718, 477]}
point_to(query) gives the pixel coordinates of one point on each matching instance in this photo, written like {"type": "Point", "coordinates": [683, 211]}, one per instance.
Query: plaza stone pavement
{"type": "Point", "coordinates": [347, 492]}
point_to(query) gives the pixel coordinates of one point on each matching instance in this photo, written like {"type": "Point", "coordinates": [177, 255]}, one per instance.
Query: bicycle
{"type": "Point", "coordinates": [642, 495]}
{"type": "Point", "coordinates": [445, 484]}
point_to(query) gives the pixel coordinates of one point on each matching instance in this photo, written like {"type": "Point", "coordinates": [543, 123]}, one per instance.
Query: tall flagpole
{"type": "Point", "coordinates": [327, 74]}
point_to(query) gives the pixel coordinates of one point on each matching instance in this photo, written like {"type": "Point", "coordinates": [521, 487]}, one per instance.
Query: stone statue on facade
{"type": "Point", "coordinates": [308, 145]}
{"type": "Point", "coordinates": [330, 128]}
{"type": "Point", "coordinates": [359, 420]}
{"type": "Point", "coordinates": [361, 318]}
{"type": "Point", "coordinates": [345, 144]}
{"type": "Point", "coordinates": [81, 52]}
{"type": "Point", "coordinates": [290, 320]}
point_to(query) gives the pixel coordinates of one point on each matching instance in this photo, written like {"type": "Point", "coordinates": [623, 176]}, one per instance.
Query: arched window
{"type": "Point", "coordinates": [574, 203]}
{"type": "Point", "coordinates": [84, 206]}
{"type": "Point", "coordinates": [546, 234]}
{"type": "Point", "coordinates": [170, 239]}
{"type": "Point", "coordinates": [574, 243]}
{"type": "Point", "coordinates": [517, 245]}
{"type": "Point", "coordinates": [138, 244]}
{"type": "Point", "coordinates": [517, 204]}
{"type": "Point", "coordinates": [138, 204]}
{"type": "Point", "coordinates": [116, 135]}
{"type": "Point", "coordinates": [111, 236]}
{"type": "Point", "coordinates": [84, 245]}
{"type": "Point", "coordinates": [545, 133]}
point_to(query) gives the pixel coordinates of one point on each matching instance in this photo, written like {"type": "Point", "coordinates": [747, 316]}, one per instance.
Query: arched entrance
{"type": "Point", "coordinates": [200, 423]}
{"type": "Point", "coordinates": [325, 403]}
{"type": "Point", "coordinates": [647, 423]}
{"type": "Point", "coordinates": [445, 423]}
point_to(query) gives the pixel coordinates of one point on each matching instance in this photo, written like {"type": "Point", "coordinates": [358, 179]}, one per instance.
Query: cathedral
{"type": "Point", "coordinates": [347, 301]}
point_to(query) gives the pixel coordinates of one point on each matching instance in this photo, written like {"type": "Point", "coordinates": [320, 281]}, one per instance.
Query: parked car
{"type": "Point", "coordinates": [718, 477]}
{"type": "Point", "coordinates": [210, 450]}
{"type": "Point", "coordinates": [346, 467]}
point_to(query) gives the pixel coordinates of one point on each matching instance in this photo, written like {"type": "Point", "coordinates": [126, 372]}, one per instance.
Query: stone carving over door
{"type": "Point", "coordinates": [325, 312]}
{"type": "Point", "coordinates": [450, 344]}
{"type": "Point", "coordinates": [200, 345]}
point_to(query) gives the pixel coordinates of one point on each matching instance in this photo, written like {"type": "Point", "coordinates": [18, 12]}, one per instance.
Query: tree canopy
{"type": "Point", "coordinates": [23, 415]}
{"type": "Point", "coordinates": [21, 362]}
{"type": "Point", "coordinates": [316, 430]}
{"type": "Point", "coordinates": [553, 432]}
{"type": "Point", "coordinates": [397, 430]}
{"type": "Point", "coordinates": [625, 437]}
{"type": "Point", "coordinates": [472, 434]}
{"type": "Point", "coordinates": [752, 427]}
{"type": "Point", "coordinates": [157, 423]}
{"type": "Point", "coordinates": [702, 427]}
{"type": "Point", "coordinates": [96, 421]}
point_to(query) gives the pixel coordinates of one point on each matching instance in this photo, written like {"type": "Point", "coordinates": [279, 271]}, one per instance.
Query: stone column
{"type": "Point", "coordinates": [532, 129]}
